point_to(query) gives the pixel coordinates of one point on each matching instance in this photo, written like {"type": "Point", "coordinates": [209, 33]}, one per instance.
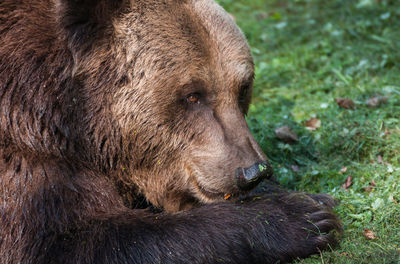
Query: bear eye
{"type": "Point", "coordinates": [193, 98]}
{"type": "Point", "coordinates": [244, 93]}
{"type": "Point", "coordinates": [244, 96]}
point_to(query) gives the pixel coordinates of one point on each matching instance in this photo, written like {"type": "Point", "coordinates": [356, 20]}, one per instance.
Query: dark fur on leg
{"type": "Point", "coordinates": [274, 228]}
{"type": "Point", "coordinates": [277, 228]}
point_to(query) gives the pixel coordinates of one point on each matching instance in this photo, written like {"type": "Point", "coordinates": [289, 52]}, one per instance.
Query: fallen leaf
{"type": "Point", "coordinates": [392, 199]}
{"type": "Point", "coordinates": [227, 196]}
{"type": "Point", "coordinates": [369, 234]}
{"type": "Point", "coordinates": [313, 124]}
{"type": "Point", "coordinates": [347, 183]}
{"type": "Point", "coordinates": [343, 170]}
{"type": "Point", "coordinates": [373, 183]}
{"type": "Point", "coordinates": [262, 16]}
{"type": "Point", "coordinates": [345, 103]}
{"type": "Point", "coordinates": [370, 187]}
{"type": "Point", "coordinates": [285, 134]}
{"type": "Point", "coordinates": [377, 101]}
{"type": "Point", "coordinates": [342, 254]}
{"type": "Point", "coordinates": [295, 168]}
{"type": "Point", "coordinates": [379, 159]}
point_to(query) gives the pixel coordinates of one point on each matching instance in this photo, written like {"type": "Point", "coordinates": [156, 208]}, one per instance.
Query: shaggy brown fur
{"type": "Point", "coordinates": [103, 102]}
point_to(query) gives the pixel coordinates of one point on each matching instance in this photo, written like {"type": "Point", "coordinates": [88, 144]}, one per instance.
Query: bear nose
{"type": "Point", "coordinates": [248, 178]}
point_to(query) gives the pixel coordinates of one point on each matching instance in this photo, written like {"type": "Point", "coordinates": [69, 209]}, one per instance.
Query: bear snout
{"type": "Point", "coordinates": [248, 178]}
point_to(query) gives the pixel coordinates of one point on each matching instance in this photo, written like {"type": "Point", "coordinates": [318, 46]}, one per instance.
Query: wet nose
{"type": "Point", "coordinates": [248, 178]}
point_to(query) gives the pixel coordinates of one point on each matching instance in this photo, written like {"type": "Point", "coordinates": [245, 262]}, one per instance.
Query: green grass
{"type": "Point", "coordinates": [307, 53]}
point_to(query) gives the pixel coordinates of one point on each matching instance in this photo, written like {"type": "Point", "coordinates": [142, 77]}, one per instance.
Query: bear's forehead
{"type": "Point", "coordinates": [164, 35]}
{"type": "Point", "coordinates": [228, 43]}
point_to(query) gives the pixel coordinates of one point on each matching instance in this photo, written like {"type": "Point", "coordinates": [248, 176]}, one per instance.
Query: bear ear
{"type": "Point", "coordinates": [81, 18]}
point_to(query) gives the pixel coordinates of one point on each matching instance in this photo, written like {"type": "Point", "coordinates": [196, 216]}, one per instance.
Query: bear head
{"type": "Point", "coordinates": [164, 87]}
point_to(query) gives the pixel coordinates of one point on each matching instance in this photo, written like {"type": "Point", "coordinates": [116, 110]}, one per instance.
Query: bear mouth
{"type": "Point", "coordinates": [203, 193]}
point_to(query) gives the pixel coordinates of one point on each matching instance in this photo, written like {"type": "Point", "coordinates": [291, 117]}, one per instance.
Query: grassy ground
{"type": "Point", "coordinates": [307, 53]}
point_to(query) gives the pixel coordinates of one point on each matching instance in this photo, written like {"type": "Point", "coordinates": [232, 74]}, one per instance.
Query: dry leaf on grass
{"type": "Point", "coordinates": [286, 134]}
{"type": "Point", "coordinates": [369, 234]}
{"type": "Point", "coordinates": [295, 168]}
{"type": "Point", "coordinates": [387, 133]}
{"type": "Point", "coordinates": [313, 124]}
{"type": "Point", "coordinates": [370, 187]}
{"type": "Point", "coordinates": [377, 101]}
{"type": "Point", "coordinates": [262, 16]}
{"type": "Point", "coordinates": [347, 183]}
{"type": "Point", "coordinates": [373, 183]}
{"type": "Point", "coordinates": [392, 199]}
{"type": "Point", "coordinates": [343, 170]}
{"type": "Point", "coordinates": [345, 103]}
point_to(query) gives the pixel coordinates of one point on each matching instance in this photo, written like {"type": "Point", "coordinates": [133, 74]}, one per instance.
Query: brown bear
{"type": "Point", "coordinates": [104, 103]}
